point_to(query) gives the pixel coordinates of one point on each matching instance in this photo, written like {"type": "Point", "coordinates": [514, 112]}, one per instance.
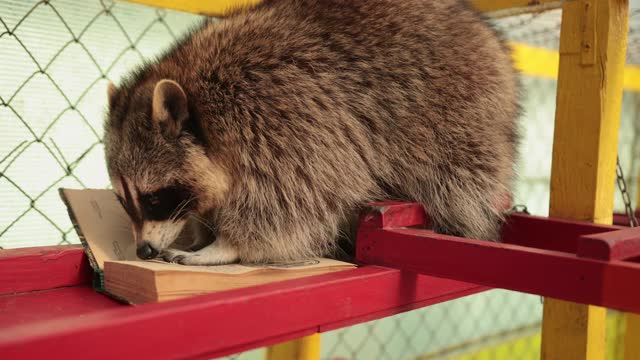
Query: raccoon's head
{"type": "Point", "coordinates": [159, 171]}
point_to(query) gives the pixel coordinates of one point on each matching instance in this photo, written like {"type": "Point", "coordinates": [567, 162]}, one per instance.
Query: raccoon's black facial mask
{"type": "Point", "coordinates": [172, 202]}
{"type": "Point", "coordinates": [127, 204]}
{"type": "Point", "coordinates": [169, 203]}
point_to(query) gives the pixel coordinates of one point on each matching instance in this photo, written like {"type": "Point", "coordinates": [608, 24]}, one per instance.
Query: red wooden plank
{"type": "Point", "coordinates": [620, 219]}
{"type": "Point", "coordinates": [614, 245]}
{"type": "Point", "coordinates": [519, 229]}
{"type": "Point", "coordinates": [216, 324]}
{"type": "Point", "coordinates": [409, 280]}
{"type": "Point", "coordinates": [535, 271]}
{"type": "Point", "coordinates": [395, 214]}
{"type": "Point", "coordinates": [51, 304]}
{"type": "Point", "coordinates": [549, 233]}
{"type": "Point", "coordinates": [41, 268]}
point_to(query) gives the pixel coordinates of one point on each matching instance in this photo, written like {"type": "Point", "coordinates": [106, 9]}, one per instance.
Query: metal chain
{"type": "Point", "coordinates": [622, 185]}
{"type": "Point", "coordinates": [518, 209]}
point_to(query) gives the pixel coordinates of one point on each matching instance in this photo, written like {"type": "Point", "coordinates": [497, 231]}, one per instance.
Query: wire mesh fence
{"type": "Point", "coordinates": [56, 58]}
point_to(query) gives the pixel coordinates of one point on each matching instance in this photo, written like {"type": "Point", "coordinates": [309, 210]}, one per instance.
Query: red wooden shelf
{"type": "Point", "coordinates": [61, 316]}
{"type": "Point", "coordinates": [47, 307]}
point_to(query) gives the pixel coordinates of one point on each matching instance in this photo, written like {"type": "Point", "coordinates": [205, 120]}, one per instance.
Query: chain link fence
{"type": "Point", "coordinates": [56, 59]}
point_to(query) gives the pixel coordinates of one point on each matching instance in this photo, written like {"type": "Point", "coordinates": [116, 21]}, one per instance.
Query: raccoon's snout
{"type": "Point", "coordinates": [146, 251]}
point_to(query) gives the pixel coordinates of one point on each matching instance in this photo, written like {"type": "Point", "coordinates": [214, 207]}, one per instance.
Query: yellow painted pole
{"type": "Point", "coordinates": [592, 57]}
{"type": "Point", "coordinates": [632, 327]}
{"type": "Point", "coordinates": [543, 63]}
{"type": "Point", "coordinates": [306, 348]}
{"type": "Point", "coordinates": [632, 337]}
{"type": "Point", "coordinates": [222, 7]}
{"type": "Point", "coordinates": [498, 5]}
{"type": "Point", "coordinates": [202, 7]}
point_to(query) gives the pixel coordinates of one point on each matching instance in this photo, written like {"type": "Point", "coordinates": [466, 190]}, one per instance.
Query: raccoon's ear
{"type": "Point", "coordinates": [169, 109]}
{"type": "Point", "coordinates": [111, 93]}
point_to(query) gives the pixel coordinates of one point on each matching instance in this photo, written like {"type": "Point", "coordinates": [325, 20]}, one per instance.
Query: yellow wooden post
{"type": "Point", "coordinates": [306, 348]}
{"type": "Point", "coordinates": [210, 7]}
{"type": "Point", "coordinates": [632, 327]}
{"type": "Point", "coordinates": [592, 57]}
{"type": "Point", "coordinates": [222, 7]}
{"type": "Point", "coordinates": [632, 337]}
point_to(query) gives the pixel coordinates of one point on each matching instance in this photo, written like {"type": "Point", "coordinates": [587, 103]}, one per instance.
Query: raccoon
{"type": "Point", "coordinates": [269, 128]}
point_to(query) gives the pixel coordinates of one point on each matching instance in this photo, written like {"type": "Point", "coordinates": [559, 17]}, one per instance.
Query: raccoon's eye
{"type": "Point", "coordinates": [166, 203]}
{"type": "Point", "coordinates": [154, 200]}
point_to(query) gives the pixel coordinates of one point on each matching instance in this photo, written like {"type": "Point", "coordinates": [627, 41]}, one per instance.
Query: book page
{"type": "Point", "coordinates": [101, 223]}
{"type": "Point", "coordinates": [237, 269]}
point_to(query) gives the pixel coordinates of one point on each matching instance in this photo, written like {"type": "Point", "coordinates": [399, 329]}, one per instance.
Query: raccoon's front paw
{"type": "Point", "coordinates": [178, 256]}
{"type": "Point", "coordinates": [214, 254]}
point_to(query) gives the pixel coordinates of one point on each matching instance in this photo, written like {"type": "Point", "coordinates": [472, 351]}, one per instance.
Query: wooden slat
{"type": "Point", "coordinates": [46, 305]}
{"type": "Point", "coordinates": [214, 325]}
{"type": "Point", "coordinates": [222, 7]}
{"type": "Point", "coordinates": [592, 57]}
{"type": "Point", "coordinates": [541, 62]}
{"type": "Point", "coordinates": [617, 245]}
{"type": "Point", "coordinates": [512, 267]}
{"type": "Point", "coordinates": [202, 7]}
{"type": "Point", "coordinates": [632, 330]}
{"type": "Point", "coordinates": [305, 348]}
{"type": "Point", "coordinates": [523, 5]}
{"type": "Point", "coordinates": [631, 336]}
{"type": "Point", "coordinates": [41, 268]}
{"type": "Point", "coordinates": [549, 234]}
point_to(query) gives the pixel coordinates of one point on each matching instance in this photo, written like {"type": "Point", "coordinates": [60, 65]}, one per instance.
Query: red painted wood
{"type": "Point", "coordinates": [217, 324]}
{"type": "Point", "coordinates": [621, 219]}
{"type": "Point", "coordinates": [409, 280]}
{"type": "Point", "coordinates": [394, 215]}
{"type": "Point", "coordinates": [549, 233]}
{"type": "Point", "coordinates": [614, 245]}
{"type": "Point", "coordinates": [535, 271]}
{"type": "Point", "coordinates": [520, 229]}
{"type": "Point", "coordinates": [71, 321]}
{"type": "Point", "coordinates": [41, 268]}
{"type": "Point", "coordinates": [29, 308]}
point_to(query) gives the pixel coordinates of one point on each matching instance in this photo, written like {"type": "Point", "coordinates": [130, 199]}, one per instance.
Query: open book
{"type": "Point", "coordinates": [105, 231]}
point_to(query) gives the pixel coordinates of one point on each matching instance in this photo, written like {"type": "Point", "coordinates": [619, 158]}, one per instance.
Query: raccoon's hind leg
{"type": "Point", "coordinates": [218, 253]}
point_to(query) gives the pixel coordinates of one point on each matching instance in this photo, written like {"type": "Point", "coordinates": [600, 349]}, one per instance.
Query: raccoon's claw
{"type": "Point", "coordinates": [209, 255]}
{"type": "Point", "coordinates": [178, 257]}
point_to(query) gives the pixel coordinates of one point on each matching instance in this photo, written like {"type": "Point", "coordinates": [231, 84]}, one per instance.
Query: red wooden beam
{"type": "Point", "coordinates": [218, 324]}
{"type": "Point", "coordinates": [622, 219]}
{"type": "Point", "coordinates": [539, 268]}
{"type": "Point", "coordinates": [549, 234]}
{"type": "Point", "coordinates": [51, 304]}
{"type": "Point", "coordinates": [614, 245]}
{"type": "Point", "coordinates": [394, 214]}
{"type": "Point", "coordinates": [41, 268]}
